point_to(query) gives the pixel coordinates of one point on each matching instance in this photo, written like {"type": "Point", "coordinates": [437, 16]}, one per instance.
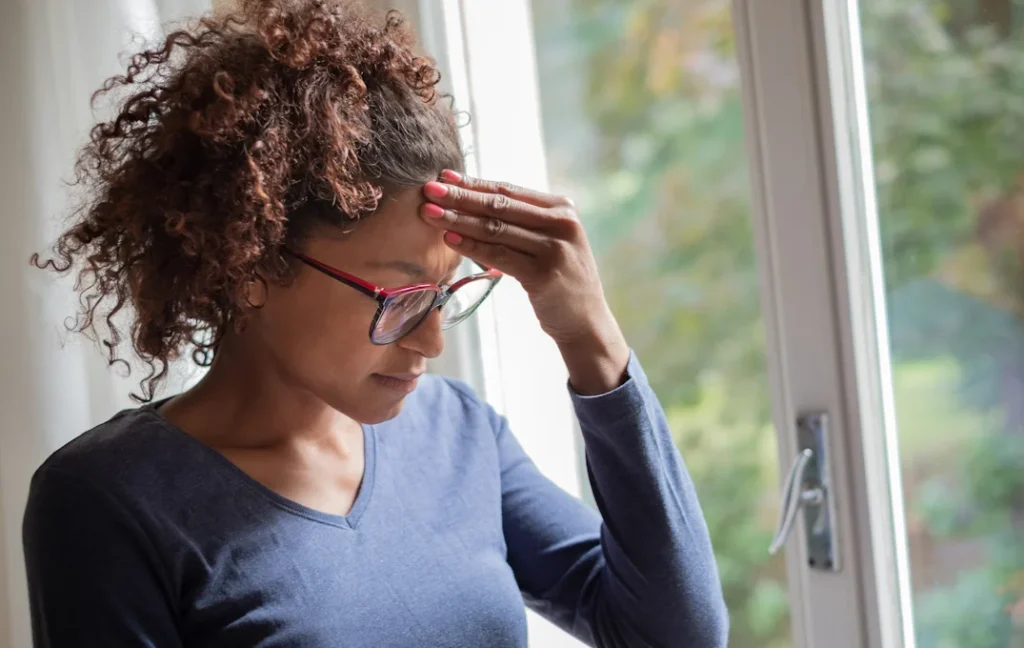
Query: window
{"type": "Point", "coordinates": [944, 98]}
{"type": "Point", "coordinates": [798, 207]}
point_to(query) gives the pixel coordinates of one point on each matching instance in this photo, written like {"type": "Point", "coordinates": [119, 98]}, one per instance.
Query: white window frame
{"type": "Point", "coordinates": [818, 254]}
{"type": "Point", "coordinates": [858, 286]}
{"type": "Point", "coordinates": [820, 84]}
{"type": "Point", "coordinates": [813, 218]}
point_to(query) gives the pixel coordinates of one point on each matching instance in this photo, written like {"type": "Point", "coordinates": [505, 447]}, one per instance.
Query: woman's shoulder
{"type": "Point", "coordinates": [132, 452]}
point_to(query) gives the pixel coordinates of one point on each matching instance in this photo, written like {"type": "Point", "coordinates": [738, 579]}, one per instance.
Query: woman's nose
{"type": "Point", "coordinates": [428, 338]}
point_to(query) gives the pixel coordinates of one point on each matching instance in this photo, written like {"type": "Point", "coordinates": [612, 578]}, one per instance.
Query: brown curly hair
{"type": "Point", "coordinates": [236, 136]}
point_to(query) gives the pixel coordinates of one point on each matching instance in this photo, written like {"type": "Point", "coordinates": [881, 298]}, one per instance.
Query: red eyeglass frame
{"type": "Point", "coordinates": [383, 295]}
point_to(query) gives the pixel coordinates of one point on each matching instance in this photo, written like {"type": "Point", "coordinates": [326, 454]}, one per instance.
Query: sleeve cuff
{"type": "Point", "coordinates": [625, 401]}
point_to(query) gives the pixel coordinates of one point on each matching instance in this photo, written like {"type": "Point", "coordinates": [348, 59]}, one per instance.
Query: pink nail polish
{"type": "Point", "coordinates": [433, 211]}
{"type": "Point", "coordinates": [453, 238]}
{"type": "Point", "coordinates": [435, 189]}
{"type": "Point", "coordinates": [451, 176]}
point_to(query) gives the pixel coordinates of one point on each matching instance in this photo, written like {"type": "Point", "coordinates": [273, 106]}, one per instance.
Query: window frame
{"type": "Point", "coordinates": [859, 293]}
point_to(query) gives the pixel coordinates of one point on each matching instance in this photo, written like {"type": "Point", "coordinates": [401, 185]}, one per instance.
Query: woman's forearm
{"type": "Point", "coordinates": [660, 576]}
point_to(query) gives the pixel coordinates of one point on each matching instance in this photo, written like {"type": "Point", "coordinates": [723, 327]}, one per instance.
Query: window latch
{"type": "Point", "coordinates": [808, 488]}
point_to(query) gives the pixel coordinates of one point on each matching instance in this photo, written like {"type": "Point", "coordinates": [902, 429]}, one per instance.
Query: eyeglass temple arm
{"type": "Point", "coordinates": [337, 276]}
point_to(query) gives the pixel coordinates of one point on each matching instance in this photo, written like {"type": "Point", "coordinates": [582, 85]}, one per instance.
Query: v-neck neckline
{"type": "Point", "coordinates": [349, 521]}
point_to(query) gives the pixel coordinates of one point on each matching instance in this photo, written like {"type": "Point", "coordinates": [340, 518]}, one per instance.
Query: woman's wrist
{"type": "Point", "coordinates": [597, 361]}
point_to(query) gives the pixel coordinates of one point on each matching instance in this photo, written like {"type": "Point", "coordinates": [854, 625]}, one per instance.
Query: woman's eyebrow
{"type": "Point", "coordinates": [413, 270]}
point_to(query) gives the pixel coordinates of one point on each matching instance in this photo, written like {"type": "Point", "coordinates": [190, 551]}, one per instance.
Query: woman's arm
{"type": "Point", "coordinates": [646, 576]}
{"type": "Point", "coordinates": [93, 577]}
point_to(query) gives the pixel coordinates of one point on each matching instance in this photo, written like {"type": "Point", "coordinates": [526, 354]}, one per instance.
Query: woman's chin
{"type": "Point", "coordinates": [376, 408]}
{"type": "Point", "coordinates": [384, 416]}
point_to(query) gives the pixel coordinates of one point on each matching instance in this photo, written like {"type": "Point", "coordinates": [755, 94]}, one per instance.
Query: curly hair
{"type": "Point", "coordinates": [234, 139]}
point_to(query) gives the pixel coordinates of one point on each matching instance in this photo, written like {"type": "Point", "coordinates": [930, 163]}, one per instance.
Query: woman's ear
{"type": "Point", "coordinates": [256, 292]}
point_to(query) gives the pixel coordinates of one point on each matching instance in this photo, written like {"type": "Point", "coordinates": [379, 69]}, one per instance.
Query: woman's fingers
{"type": "Point", "coordinates": [498, 205]}
{"type": "Point", "coordinates": [490, 255]}
{"type": "Point", "coordinates": [521, 232]}
{"type": "Point", "coordinates": [488, 230]}
{"type": "Point", "coordinates": [515, 192]}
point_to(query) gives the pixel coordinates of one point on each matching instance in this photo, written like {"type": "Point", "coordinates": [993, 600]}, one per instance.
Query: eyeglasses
{"type": "Point", "coordinates": [401, 310]}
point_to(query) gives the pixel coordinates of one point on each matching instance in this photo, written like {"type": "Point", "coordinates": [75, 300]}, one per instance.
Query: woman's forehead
{"type": "Point", "coordinates": [395, 233]}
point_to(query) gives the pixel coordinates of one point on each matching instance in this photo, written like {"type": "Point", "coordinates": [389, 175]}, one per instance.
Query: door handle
{"type": "Point", "coordinates": [808, 488]}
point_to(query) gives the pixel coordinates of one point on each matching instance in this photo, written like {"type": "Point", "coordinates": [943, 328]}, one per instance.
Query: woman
{"type": "Point", "coordinates": [282, 191]}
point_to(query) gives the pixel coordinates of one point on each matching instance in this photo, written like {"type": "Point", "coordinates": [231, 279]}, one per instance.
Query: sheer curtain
{"type": "Point", "coordinates": [53, 54]}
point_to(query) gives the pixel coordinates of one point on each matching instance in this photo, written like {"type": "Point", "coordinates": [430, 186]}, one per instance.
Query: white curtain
{"type": "Point", "coordinates": [53, 386]}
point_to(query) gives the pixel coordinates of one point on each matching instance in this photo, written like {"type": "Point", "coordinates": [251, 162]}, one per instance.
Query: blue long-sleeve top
{"type": "Point", "coordinates": [136, 534]}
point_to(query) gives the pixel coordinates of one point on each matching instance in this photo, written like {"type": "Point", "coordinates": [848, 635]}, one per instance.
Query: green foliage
{"type": "Point", "coordinates": [947, 122]}
{"type": "Point", "coordinates": [965, 614]}
{"type": "Point", "coordinates": [947, 97]}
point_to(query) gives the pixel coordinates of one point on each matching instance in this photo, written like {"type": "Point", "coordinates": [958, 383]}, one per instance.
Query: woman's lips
{"type": "Point", "coordinates": [400, 382]}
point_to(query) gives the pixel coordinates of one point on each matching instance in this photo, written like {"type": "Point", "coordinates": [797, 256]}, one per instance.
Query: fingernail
{"type": "Point", "coordinates": [433, 211]}
{"type": "Point", "coordinates": [435, 189]}
{"type": "Point", "coordinates": [451, 176]}
{"type": "Point", "coordinates": [452, 238]}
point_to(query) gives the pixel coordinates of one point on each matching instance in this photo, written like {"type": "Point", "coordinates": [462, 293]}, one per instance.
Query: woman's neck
{"type": "Point", "coordinates": [243, 406]}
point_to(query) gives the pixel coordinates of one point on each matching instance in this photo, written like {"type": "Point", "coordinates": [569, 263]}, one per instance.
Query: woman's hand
{"type": "Point", "coordinates": [538, 239]}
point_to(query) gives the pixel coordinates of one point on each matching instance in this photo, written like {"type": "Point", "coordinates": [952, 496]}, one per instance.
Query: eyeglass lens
{"type": "Point", "coordinates": [403, 313]}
